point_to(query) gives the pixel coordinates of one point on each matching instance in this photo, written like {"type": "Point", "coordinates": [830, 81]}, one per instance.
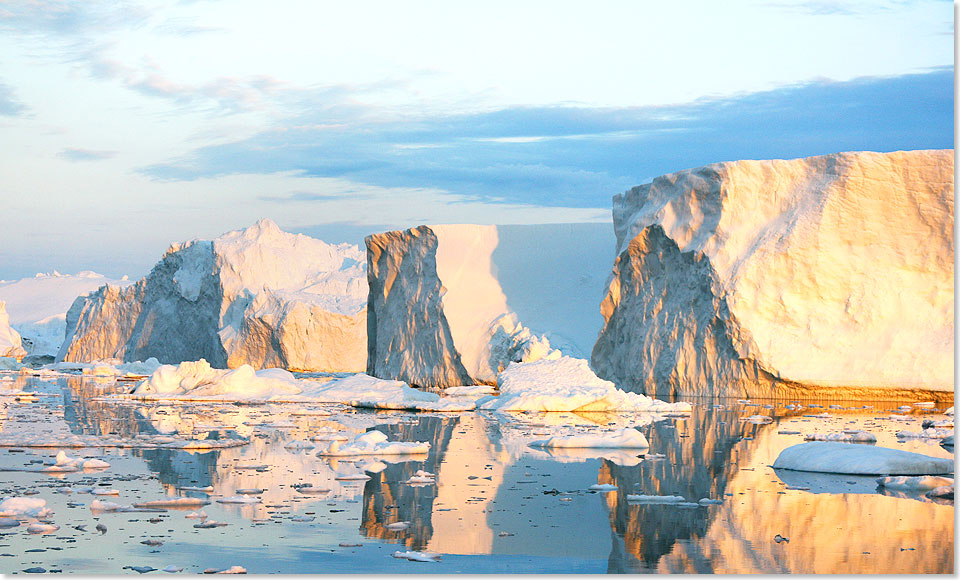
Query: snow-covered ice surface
{"type": "Point", "coordinates": [481, 498]}
{"type": "Point", "coordinates": [38, 305]}
{"type": "Point", "coordinates": [566, 384]}
{"type": "Point", "coordinates": [759, 278]}
{"type": "Point", "coordinates": [831, 457]}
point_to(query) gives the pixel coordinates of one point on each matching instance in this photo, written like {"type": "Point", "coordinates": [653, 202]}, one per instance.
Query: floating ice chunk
{"type": "Point", "coordinates": [198, 380]}
{"type": "Point", "coordinates": [310, 490]}
{"type": "Point", "coordinates": [207, 489]}
{"type": "Point", "coordinates": [422, 478]}
{"type": "Point", "coordinates": [603, 487]}
{"type": "Point", "coordinates": [944, 492]}
{"type": "Point", "coordinates": [362, 390]}
{"type": "Point", "coordinates": [397, 526]}
{"type": "Point", "coordinates": [917, 483]}
{"type": "Point", "coordinates": [250, 491]}
{"type": "Point", "coordinates": [640, 498]}
{"type": "Point", "coordinates": [9, 523]}
{"type": "Point", "coordinates": [209, 524]}
{"type": "Point", "coordinates": [566, 384]}
{"type": "Point", "coordinates": [620, 439]}
{"type": "Point", "coordinates": [352, 477]}
{"type": "Point", "coordinates": [230, 570]}
{"type": "Point", "coordinates": [415, 556]}
{"type": "Point", "coordinates": [66, 463]}
{"type": "Point", "coordinates": [109, 491]}
{"type": "Point", "coordinates": [850, 436]}
{"type": "Point", "coordinates": [39, 528]}
{"type": "Point", "coordinates": [200, 515]}
{"type": "Point", "coordinates": [12, 507]}
{"type": "Point", "coordinates": [374, 443]}
{"type": "Point", "coordinates": [757, 419]}
{"type": "Point", "coordinates": [172, 569]}
{"type": "Point", "coordinates": [929, 433]}
{"type": "Point", "coordinates": [848, 458]}
{"type": "Point", "coordinates": [179, 502]}
{"type": "Point", "coordinates": [239, 499]}
{"type": "Point", "coordinates": [708, 501]}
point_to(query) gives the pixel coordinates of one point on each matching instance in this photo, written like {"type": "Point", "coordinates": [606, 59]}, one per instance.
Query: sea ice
{"type": "Point", "coordinates": [415, 556]}
{"type": "Point", "coordinates": [848, 458]}
{"type": "Point", "coordinates": [12, 507]}
{"type": "Point", "coordinates": [374, 443]}
{"type": "Point", "coordinates": [850, 436]}
{"type": "Point", "coordinates": [640, 498]}
{"type": "Point", "coordinates": [566, 384]}
{"type": "Point", "coordinates": [620, 439]}
{"type": "Point", "coordinates": [917, 483]}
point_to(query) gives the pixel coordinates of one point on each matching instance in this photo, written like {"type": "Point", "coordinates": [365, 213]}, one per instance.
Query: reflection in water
{"type": "Point", "coordinates": [497, 502]}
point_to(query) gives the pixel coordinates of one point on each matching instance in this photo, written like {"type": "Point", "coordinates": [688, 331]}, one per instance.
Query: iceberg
{"type": "Point", "coordinates": [258, 296]}
{"type": "Point", "coordinates": [767, 278]}
{"type": "Point", "coordinates": [38, 305]}
{"type": "Point", "coordinates": [11, 345]}
{"type": "Point", "coordinates": [453, 305]}
{"type": "Point", "coordinates": [855, 459]}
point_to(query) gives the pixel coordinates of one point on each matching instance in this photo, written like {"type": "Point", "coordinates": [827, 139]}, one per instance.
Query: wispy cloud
{"type": "Point", "coordinates": [577, 156]}
{"type": "Point", "coordinates": [10, 106]}
{"type": "Point", "coordinates": [77, 154]}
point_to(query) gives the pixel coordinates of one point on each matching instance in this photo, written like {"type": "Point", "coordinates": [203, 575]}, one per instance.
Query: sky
{"type": "Point", "coordinates": [127, 126]}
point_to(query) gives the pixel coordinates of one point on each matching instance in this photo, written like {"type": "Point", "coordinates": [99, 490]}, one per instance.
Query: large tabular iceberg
{"type": "Point", "coordinates": [258, 296]}
{"type": "Point", "coordinates": [454, 304]}
{"type": "Point", "coordinates": [760, 278]}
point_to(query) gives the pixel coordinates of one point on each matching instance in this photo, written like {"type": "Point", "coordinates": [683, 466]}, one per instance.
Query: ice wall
{"type": "Point", "coordinates": [454, 304]}
{"type": "Point", "coordinates": [10, 345]}
{"type": "Point", "coordinates": [258, 296]}
{"type": "Point", "coordinates": [755, 278]}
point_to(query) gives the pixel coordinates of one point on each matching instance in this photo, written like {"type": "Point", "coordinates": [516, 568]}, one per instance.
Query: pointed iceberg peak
{"type": "Point", "coordinates": [264, 226]}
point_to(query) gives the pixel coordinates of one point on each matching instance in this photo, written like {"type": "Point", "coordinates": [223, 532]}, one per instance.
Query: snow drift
{"type": "Point", "coordinates": [454, 304]}
{"type": "Point", "coordinates": [258, 296]}
{"type": "Point", "coordinates": [761, 278]}
{"type": "Point", "coordinates": [38, 305]}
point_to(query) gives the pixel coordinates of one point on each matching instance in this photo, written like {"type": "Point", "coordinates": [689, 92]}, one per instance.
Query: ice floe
{"type": "Point", "coordinates": [848, 458]}
{"type": "Point", "coordinates": [916, 483]}
{"type": "Point", "coordinates": [374, 443]}
{"type": "Point", "coordinates": [641, 498]}
{"type": "Point", "coordinates": [415, 556]}
{"type": "Point", "coordinates": [620, 439]}
{"type": "Point", "coordinates": [14, 507]}
{"type": "Point", "coordinates": [849, 436]}
{"type": "Point", "coordinates": [566, 384]}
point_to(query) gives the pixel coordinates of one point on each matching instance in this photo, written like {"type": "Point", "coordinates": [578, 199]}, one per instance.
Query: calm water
{"type": "Point", "coordinates": [498, 504]}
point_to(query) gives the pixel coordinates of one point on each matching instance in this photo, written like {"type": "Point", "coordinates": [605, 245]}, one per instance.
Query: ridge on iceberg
{"type": "Point", "coordinates": [258, 296]}
{"type": "Point", "coordinates": [785, 278]}
{"type": "Point", "coordinates": [854, 459]}
{"type": "Point", "coordinates": [566, 384]}
{"type": "Point", "coordinates": [453, 305]}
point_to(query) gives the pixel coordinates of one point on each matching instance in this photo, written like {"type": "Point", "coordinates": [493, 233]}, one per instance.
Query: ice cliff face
{"type": "Point", "coordinates": [258, 296]}
{"type": "Point", "coordinates": [757, 278]}
{"type": "Point", "coordinates": [10, 345]}
{"type": "Point", "coordinates": [453, 304]}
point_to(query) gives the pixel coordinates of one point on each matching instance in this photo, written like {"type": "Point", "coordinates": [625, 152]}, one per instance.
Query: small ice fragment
{"type": "Point", "coordinates": [422, 478]}
{"type": "Point", "coordinates": [238, 499]}
{"type": "Point", "coordinates": [603, 487]}
{"type": "Point", "coordinates": [172, 569]}
{"type": "Point", "coordinates": [415, 556]}
{"type": "Point", "coordinates": [250, 491]}
{"type": "Point", "coordinates": [231, 570]}
{"type": "Point", "coordinates": [303, 518]}
{"type": "Point", "coordinates": [209, 524]}
{"type": "Point", "coordinates": [640, 498]}
{"type": "Point", "coordinates": [778, 539]}
{"type": "Point", "coordinates": [201, 515]}
{"type": "Point", "coordinates": [708, 501]}
{"type": "Point", "coordinates": [9, 523]}
{"type": "Point", "coordinates": [397, 526]}
{"type": "Point", "coordinates": [207, 489]}
{"type": "Point", "coordinates": [39, 528]}
{"type": "Point", "coordinates": [757, 419]}
{"type": "Point", "coordinates": [152, 542]}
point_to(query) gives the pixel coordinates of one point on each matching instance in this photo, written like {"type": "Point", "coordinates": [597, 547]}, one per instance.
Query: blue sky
{"type": "Point", "coordinates": [125, 127]}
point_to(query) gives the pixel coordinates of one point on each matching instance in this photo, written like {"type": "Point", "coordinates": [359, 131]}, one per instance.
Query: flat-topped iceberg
{"type": "Point", "coordinates": [258, 296]}
{"type": "Point", "coordinates": [853, 459]}
{"type": "Point", "coordinates": [760, 278]}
